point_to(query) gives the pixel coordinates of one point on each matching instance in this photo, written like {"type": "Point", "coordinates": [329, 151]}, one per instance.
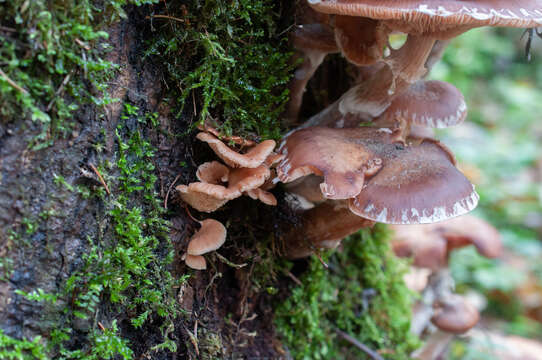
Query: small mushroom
{"type": "Point", "coordinates": [213, 172]}
{"type": "Point", "coordinates": [209, 237]}
{"type": "Point", "coordinates": [196, 262]}
{"type": "Point", "coordinates": [434, 104]}
{"type": "Point", "coordinates": [454, 314]}
{"type": "Point", "coordinates": [251, 159]}
{"type": "Point", "coordinates": [431, 244]}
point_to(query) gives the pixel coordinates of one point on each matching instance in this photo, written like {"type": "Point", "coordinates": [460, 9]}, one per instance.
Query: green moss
{"type": "Point", "coordinates": [229, 58]}
{"type": "Point", "coordinates": [15, 349]}
{"type": "Point", "coordinates": [362, 294]}
{"type": "Point", "coordinates": [52, 60]}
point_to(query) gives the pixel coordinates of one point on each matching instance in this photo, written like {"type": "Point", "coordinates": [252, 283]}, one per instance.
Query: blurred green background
{"type": "Point", "coordinates": [498, 148]}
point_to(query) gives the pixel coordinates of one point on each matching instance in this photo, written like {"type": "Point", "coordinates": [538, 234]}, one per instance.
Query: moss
{"type": "Point", "coordinates": [226, 59]}
{"type": "Point", "coordinates": [362, 294]}
{"type": "Point", "coordinates": [52, 60]}
{"type": "Point", "coordinates": [15, 349]}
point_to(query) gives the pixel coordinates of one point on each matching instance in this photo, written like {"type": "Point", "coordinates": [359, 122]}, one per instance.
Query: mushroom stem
{"type": "Point", "coordinates": [311, 61]}
{"type": "Point", "coordinates": [322, 227]}
{"type": "Point", "coordinates": [370, 99]}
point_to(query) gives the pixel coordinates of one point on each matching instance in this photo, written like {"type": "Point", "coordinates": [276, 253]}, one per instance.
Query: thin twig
{"type": "Point", "coordinates": [321, 260]}
{"type": "Point", "coordinates": [7, 29]}
{"type": "Point", "coordinates": [12, 83]}
{"type": "Point", "coordinates": [101, 326]}
{"type": "Point", "coordinates": [374, 355]}
{"type": "Point", "coordinates": [164, 17]}
{"type": "Point", "coordinates": [59, 90]}
{"type": "Point", "coordinates": [168, 190]}
{"type": "Point", "coordinates": [294, 278]}
{"type": "Point", "coordinates": [100, 178]}
{"type": "Point", "coordinates": [82, 44]}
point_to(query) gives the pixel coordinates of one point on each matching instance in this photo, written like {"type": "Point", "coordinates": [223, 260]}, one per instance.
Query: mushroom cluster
{"type": "Point", "coordinates": [440, 312]}
{"type": "Point", "coordinates": [370, 156]}
{"type": "Point", "coordinates": [245, 173]}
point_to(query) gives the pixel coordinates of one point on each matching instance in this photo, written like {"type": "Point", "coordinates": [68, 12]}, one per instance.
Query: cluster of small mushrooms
{"type": "Point", "coordinates": [369, 156]}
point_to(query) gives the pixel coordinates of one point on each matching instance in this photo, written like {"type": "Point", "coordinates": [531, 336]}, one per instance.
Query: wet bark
{"type": "Point", "coordinates": [44, 227]}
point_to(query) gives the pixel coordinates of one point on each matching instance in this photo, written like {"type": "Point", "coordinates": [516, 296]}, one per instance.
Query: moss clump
{"type": "Point", "coordinates": [52, 59]}
{"type": "Point", "coordinates": [228, 57]}
{"type": "Point", "coordinates": [362, 294]}
{"type": "Point", "coordinates": [15, 349]}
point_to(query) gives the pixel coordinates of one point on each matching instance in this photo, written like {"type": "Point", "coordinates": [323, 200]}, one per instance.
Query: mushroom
{"type": "Point", "coordinates": [314, 42]}
{"type": "Point", "coordinates": [196, 262]}
{"type": "Point", "coordinates": [382, 181]}
{"type": "Point", "coordinates": [434, 104]}
{"type": "Point", "coordinates": [430, 244]}
{"type": "Point", "coordinates": [251, 159]}
{"type": "Point", "coordinates": [425, 23]}
{"type": "Point", "coordinates": [209, 197]}
{"type": "Point", "coordinates": [209, 237]}
{"type": "Point", "coordinates": [454, 315]}
{"type": "Point", "coordinates": [360, 39]}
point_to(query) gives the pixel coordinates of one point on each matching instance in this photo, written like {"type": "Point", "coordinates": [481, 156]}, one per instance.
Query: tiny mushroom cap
{"type": "Point", "coordinates": [438, 16]}
{"type": "Point", "coordinates": [196, 262]}
{"type": "Point", "coordinates": [434, 104]}
{"type": "Point", "coordinates": [209, 237]}
{"type": "Point", "coordinates": [212, 172]}
{"type": "Point", "coordinates": [455, 315]}
{"type": "Point", "coordinates": [339, 155]}
{"type": "Point", "coordinates": [205, 197]}
{"type": "Point", "coordinates": [253, 158]}
{"type": "Point", "coordinates": [417, 184]}
{"type": "Point", "coordinates": [264, 196]}
{"type": "Point", "coordinates": [245, 179]}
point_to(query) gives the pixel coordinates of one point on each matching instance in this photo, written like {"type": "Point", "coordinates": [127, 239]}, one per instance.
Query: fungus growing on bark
{"type": "Point", "coordinates": [209, 237]}
{"type": "Point", "coordinates": [383, 180]}
{"type": "Point", "coordinates": [254, 157]}
{"type": "Point", "coordinates": [424, 23]}
{"type": "Point", "coordinates": [250, 172]}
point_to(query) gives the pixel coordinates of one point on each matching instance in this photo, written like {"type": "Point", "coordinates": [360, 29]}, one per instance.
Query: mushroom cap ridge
{"type": "Point", "coordinates": [438, 15]}
{"type": "Point", "coordinates": [417, 184]}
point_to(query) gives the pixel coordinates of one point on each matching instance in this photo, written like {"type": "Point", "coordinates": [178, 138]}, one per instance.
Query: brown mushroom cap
{"type": "Point", "coordinates": [252, 159]}
{"type": "Point", "coordinates": [434, 16]}
{"type": "Point", "coordinates": [209, 237]}
{"type": "Point", "coordinates": [244, 179]}
{"type": "Point", "coordinates": [341, 156]}
{"type": "Point", "coordinates": [417, 184]}
{"type": "Point", "coordinates": [455, 315]}
{"type": "Point", "coordinates": [206, 197]}
{"type": "Point", "coordinates": [314, 37]}
{"type": "Point", "coordinates": [435, 104]}
{"type": "Point", "coordinates": [196, 262]}
{"type": "Point", "coordinates": [361, 40]}
{"type": "Point", "coordinates": [427, 248]}
{"type": "Point", "coordinates": [264, 196]}
{"type": "Point", "coordinates": [212, 172]}
{"type": "Point", "coordinates": [466, 230]}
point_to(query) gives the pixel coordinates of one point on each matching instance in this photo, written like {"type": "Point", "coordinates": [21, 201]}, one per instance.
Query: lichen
{"type": "Point", "coordinates": [362, 294]}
